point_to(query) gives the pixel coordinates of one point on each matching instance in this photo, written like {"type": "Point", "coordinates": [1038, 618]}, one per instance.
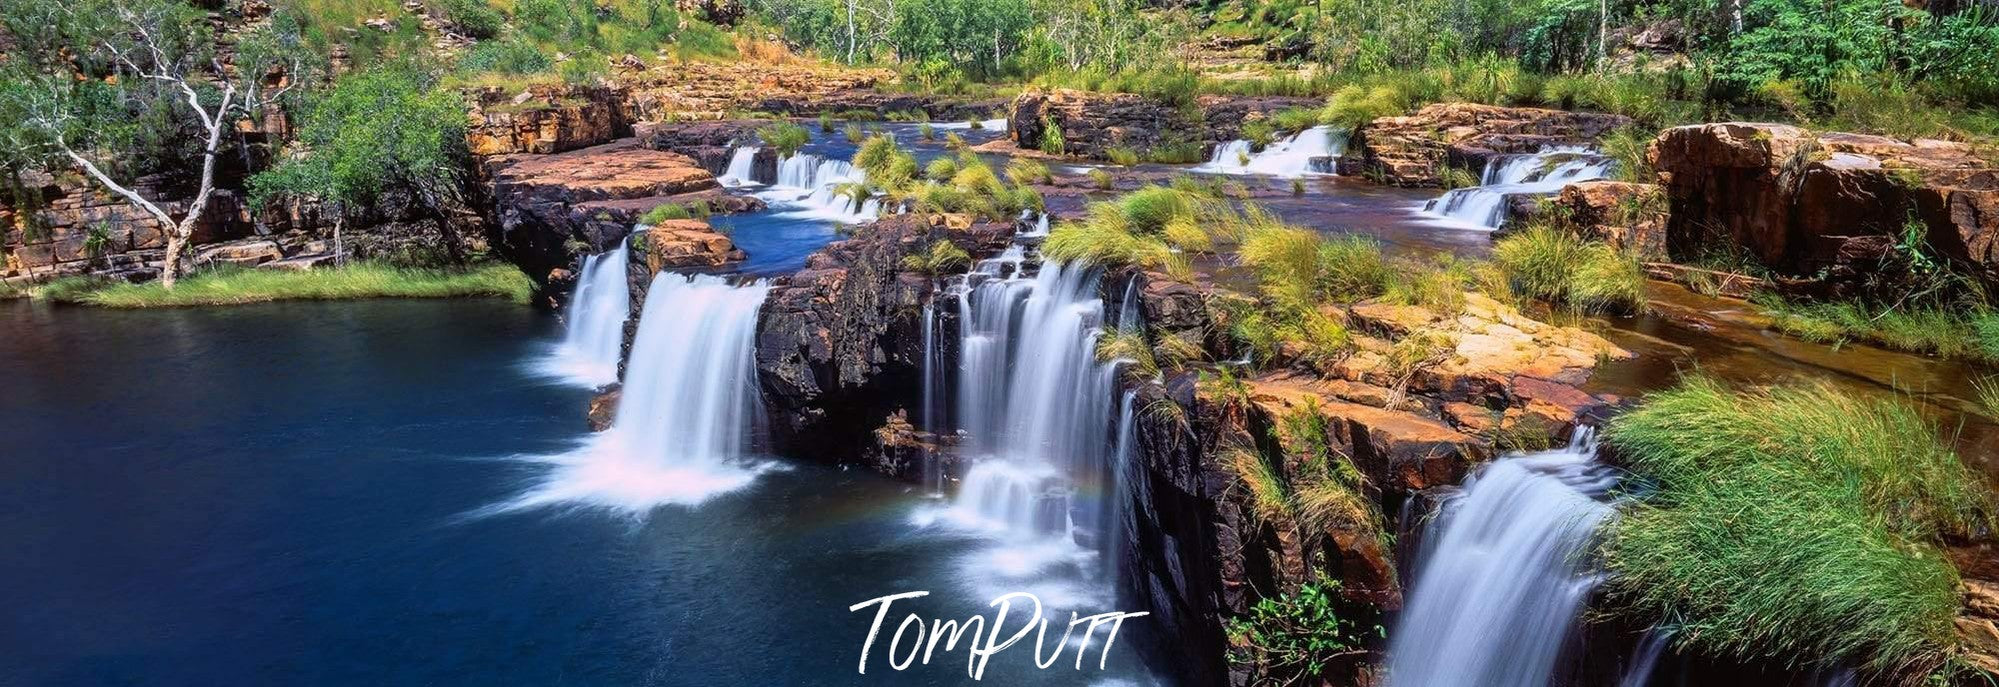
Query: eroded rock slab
{"type": "Point", "coordinates": [1412, 150]}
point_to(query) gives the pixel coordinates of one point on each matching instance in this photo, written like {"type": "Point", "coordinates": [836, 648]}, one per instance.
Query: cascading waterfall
{"type": "Point", "coordinates": [1503, 573]}
{"type": "Point", "coordinates": [687, 407]}
{"type": "Point", "coordinates": [933, 405]}
{"type": "Point", "coordinates": [808, 188]}
{"type": "Point", "coordinates": [1542, 173]}
{"type": "Point", "coordinates": [1036, 409]}
{"type": "Point", "coordinates": [742, 168]}
{"type": "Point", "coordinates": [595, 331]}
{"type": "Point", "coordinates": [1308, 152]}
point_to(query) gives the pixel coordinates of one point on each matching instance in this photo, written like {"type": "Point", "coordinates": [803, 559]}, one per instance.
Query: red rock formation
{"type": "Point", "coordinates": [1631, 217]}
{"type": "Point", "coordinates": [1412, 150]}
{"type": "Point", "coordinates": [547, 119]}
{"type": "Point", "coordinates": [1091, 123]}
{"type": "Point", "coordinates": [1807, 204]}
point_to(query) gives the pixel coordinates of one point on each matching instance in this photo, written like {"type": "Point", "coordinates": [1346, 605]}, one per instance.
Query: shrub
{"type": "Point", "coordinates": [784, 137]}
{"type": "Point", "coordinates": [1551, 264]}
{"type": "Point", "coordinates": [1626, 146]}
{"type": "Point", "coordinates": [1298, 636]}
{"type": "Point", "coordinates": [474, 18]}
{"type": "Point", "coordinates": [1051, 139]}
{"type": "Point", "coordinates": [1795, 522]}
{"type": "Point", "coordinates": [505, 57]}
{"type": "Point", "coordinates": [1122, 156]}
{"type": "Point", "coordinates": [1022, 171]}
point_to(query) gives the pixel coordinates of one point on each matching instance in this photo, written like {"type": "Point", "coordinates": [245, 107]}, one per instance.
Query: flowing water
{"type": "Point", "coordinates": [1503, 573]}
{"type": "Point", "coordinates": [1540, 174]}
{"type": "Point", "coordinates": [742, 167]}
{"type": "Point", "coordinates": [688, 406]}
{"type": "Point", "coordinates": [808, 187]}
{"type": "Point", "coordinates": [1311, 151]}
{"type": "Point", "coordinates": [588, 354]}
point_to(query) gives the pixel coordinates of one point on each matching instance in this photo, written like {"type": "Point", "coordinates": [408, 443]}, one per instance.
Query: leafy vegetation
{"type": "Point", "coordinates": [1796, 523]}
{"type": "Point", "coordinates": [1300, 635]}
{"type": "Point", "coordinates": [1553, 264]}
{"type": "Point", "coordinates": [784, 137]}
{"type": "Point", "coordinates": [235, 286]}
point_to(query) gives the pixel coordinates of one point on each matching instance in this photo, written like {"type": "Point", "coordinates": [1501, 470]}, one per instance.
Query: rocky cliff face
{"type": "Point", "coordinates": [1412, 150]}
{"type": "Point", "coordinates": [1091, 123]}
{"type": "Point", "coordinates": [547, 119]}
{"type": "Point", "coordinates": [839, 344]}
{"type": "Point", "coordinates": [712, 144]}
{"type": "Point", "coordinates": [1831, 204]}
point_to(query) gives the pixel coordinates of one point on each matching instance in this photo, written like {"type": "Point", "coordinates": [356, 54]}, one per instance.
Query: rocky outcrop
{"type": "Point", "coordinates": [1091, 123]}
{"type": "Point", "coordinates": [547, 119]}
{"type": "Point", "coordinates": [712, 144]}
{"type": "Point", "coordinates": [1831, 204]}
{"type": "Point", "coordinates": [552, 206]}
{"type": "Point", "coordinates": [703, 89]}
{"type": "Point", "coordinates": [72, 227]}
{"type": "Point", "coordinates": [1225, 115]}
{"type": "Point", "coordinates": [685, 245]}
{"type": "Point", "coordinates": [1412, 150]}
{"type": "Point", "coordinates": [839, 344]}
{"type": "Point", "coordinates": [1629, 217]}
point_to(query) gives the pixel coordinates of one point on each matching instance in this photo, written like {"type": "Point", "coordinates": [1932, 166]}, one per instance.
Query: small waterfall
{"type": "Point", "coordinates": [1125, 479]}
{"type": "Point", "coordinates": [1307, 152]}
{"type": "Point", "coordinates": [998, 125]}
{"type": "Point", "coordinates": [742, 168]}
{"type": "Point", "coordinates": [1647, 658]}
{"type": "Point", "coordinates": [807, 188]}
{"type": "Point", "coordinates": [1542, 173]}
{"type": "Point", "coordinates": [688, 404]}
{"type": "Point", "coordinates": [595, 331]}
{"type": "Point", "coordinates": [933, 407]}
{"type": "Point", "coordinates": [1502, 573]}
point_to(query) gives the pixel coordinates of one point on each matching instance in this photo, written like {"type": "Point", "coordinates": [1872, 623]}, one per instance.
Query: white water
{"type": "Point", "coordinates": [984, 125]}
{"type": "Point", "coordinates": [689, 401]}
{"type": "Point", "coordinates": [742, 168]}
{"type": "Point", "coordinates": [588, 354]}
{"type": "Point", "coordinates": [1502, 573]}
{"type": "Point", "coordinates": [1543, 173]}
{"type": "Point", "coordinates": [806, 186]}
{"type": "Point", "coordinates": [1035, 408]}
{"type": "Point", "coordinates": [1308, 152]}
{"type": "Point", "coordinates": [1647, 658]}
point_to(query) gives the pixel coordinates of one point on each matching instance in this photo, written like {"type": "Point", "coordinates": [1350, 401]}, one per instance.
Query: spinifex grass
{"type": "Point", "coordinates": [233, 286]}
{"type": "Point", "coordinates": [1794, 523]}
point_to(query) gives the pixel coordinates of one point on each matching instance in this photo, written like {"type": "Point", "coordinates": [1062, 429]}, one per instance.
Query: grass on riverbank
{"type": "Point", "coordinates": [235, 286]}
{"type": "Point", "coordinates": [1794, 523]}
{"type": "Point", "coordinates": [1968, 335]}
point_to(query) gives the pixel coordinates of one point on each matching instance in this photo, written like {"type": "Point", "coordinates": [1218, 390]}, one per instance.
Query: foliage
{"type": "Point", "coordinates": [943, 257]}
{"type": "Point", "coordinates": [1552, 264]}
{"type": "Point", "coordinates": [1299, 635]}
{"type": "Point", "coordinates": [235, 286]}
{"type": "Point", "coordinates": [1051, 139]}
{"type": "Point", "coordinates": [784, 137]}
{"type": "Point", "coordinates": [1023, 171]}
{"type": "Point", "coordinates": [1796, 523]}
{"type": "Point", "coordinates": [1122, 156]}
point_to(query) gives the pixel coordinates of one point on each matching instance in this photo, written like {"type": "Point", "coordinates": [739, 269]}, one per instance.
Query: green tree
{"type": "Point", "coordinates": [376, 132]}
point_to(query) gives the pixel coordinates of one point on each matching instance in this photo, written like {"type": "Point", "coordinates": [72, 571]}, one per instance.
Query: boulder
{"type": "Point", "coordinates": [547, 119]}
{"type": "Point", "coordinates": [1807, 204]}
{"type": "Point", "coordinates": [712, 144]}
{"type": "Point", "coordinates": [685, 244]}
{"type": "Point", "coordinates": [1091, 123]}
{"type": "Point", "coordinates": [1630, 217]}
{"type": "Point", "coordinates": [1412, 150]}
{"type": "Point", "coordinates": [549, 206]}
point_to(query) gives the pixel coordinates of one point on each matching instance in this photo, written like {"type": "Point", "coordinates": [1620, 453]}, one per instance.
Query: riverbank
{"type": "Point", "coordinates": [238, 286]}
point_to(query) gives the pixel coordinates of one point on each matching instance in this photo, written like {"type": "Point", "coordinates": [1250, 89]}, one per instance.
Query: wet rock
{"type": "Point", "coordinates": [1805, 203]}
{"type": "Point", "coordinates": [712, 144]}
{"type": "Point", "coordinates": [1398, 450]}
{"type": "Point", "coordinates": [604, 408]}
{"type": "Point", "coordinates": [1412, 150]}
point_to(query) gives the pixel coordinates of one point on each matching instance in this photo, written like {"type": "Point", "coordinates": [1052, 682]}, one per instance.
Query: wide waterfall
{"type": "Point", "coordinates": [595, 331]}
{"type": "Point", "coordinates": [688, 405]}
{"type": "Point", "coordinates": [1308, 152]}
{"type": "Point", "coordinates": [742, 168]}
{"type": "Point", "coordinates": [1503, 573]}
{"type": "Point", "coordinates": [1542, 173]}
{"type": "Point", "coordinates": [808, 187]}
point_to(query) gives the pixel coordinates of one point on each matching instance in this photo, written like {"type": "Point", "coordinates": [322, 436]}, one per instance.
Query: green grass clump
{"type": "Point", "coordinates": [1051, 139]}
{"type": "Point", "coordinates": [1795, 523]}
{"type": "Point", "coordinates": [784, 137]}
{"type": "Point", "coordinates": [941, 169]}
{"type": "Point", "coordinates": [235, 286]}
{"type": "Point", "coordinates": [1023, 171]}
{"type": "Point", "coordinates": [1356, 105]}
{"type": "Point", "coordinates": [1122, 156]}
{"type": "Point", "coordinates": [1101, 179]}
{"type": "Point", "coordinates": [943, 257]}
{"type": "Point", "coordinates": [1962, 333]}
{"type": "Point", "coordinates": [1551, 264]}
{"type": "Point", "coordinates": [1301, 268]}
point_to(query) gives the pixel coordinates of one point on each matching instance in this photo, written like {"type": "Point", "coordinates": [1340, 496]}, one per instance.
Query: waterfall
{"type": "Point", "coordinates": [1543, 173]}
{"type": "Point", "coordinates": [1036, 409]}
{"type": "Point", "coordinates": [595, 331]}
{"type": "Point", "coordinates": [807, 188]}
{"type": "Point", "coordinates": [1647, 658]}
{"type": "Point", "coordinates": [688, 403]}
{"type": "Point", "coordinates": [1125, 479]}
{"type": "Point", "coordinates": [1307, 152]}
{"type": "Point", "coordinates": [933, 408]}
{"type": "Point", "coordinates": [1503, 573]}
{"type": "Point", "coordinates": [742, 168]}
{"type": "Point", "coordinates": [984, 125]}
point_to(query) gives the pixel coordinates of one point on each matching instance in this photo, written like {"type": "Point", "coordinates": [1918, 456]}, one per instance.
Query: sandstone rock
{"type": "Point", "coordinates": [1410, 150]}
{"type": "Point", "coordinates": [546, 119]}
{"type": "Point", "coordinates": [1630, 217]}
{"type": "Point", "coordinates": [548, 203]}
{"type": "Point", "coordinates": [1806, 204]}
{"type": "Point", "coordinates": [604, 408]}
{"type": "Point", "coordinates": [1091, 123]}
{"type": "Point", "coordinates": [682, 244]}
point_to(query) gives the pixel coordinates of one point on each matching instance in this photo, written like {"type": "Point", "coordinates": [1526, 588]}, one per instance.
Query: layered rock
{"type": "Point", "coordinates": [1413, 150]}
{"type": "Point", "coordinates": [76, 228]}
{"type": "Point", "coordinates": [547, 119]}
{"type": "Point", "coordinates": [712, 144]}
{"type": "Point", "coordinates": [1225, 115]}
{"type": "Point", "coordinates": [1630, 217]}
{"type": "Point", "coordinates": [1830, 204]}
{"type": "Point", "coordinates": [685, 245]}
{"type": "Point", "coordinates": [1091, 123]}
{"type": "Point", "coordinates": [839, 344]}
{"type": "Point", "coordinates": [552, 206]}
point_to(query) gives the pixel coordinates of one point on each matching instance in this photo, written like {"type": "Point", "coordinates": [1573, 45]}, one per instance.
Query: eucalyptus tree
{"type": "Point", "coordinates": [98, 84]}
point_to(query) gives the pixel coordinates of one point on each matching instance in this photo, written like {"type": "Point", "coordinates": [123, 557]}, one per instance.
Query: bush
{"type": "Point", "coordinates": [1301, 635]}
{"type": "Point", "coordinates": [1551, 264]}
{"type": "Point", "coordinates": [1051, 140]}
{"type": "Point", "coordinates": [505, 57]}
{"type": "Point", "coordinates": [1122, 156]}
{"type": "Point", "coordinates": [1796, 523]}
{"type": "Point", "coordinates": [784, 137]}
{"type": "Point", "coordinates": [473, 18]}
